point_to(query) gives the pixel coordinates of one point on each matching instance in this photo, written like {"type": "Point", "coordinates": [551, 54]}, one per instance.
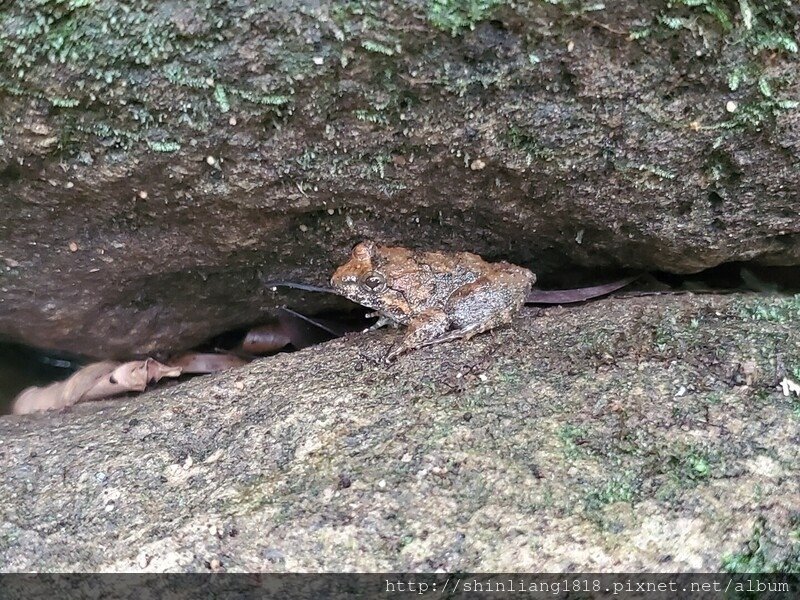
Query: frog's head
{"type": "Point", "coordinates": [360, 278]}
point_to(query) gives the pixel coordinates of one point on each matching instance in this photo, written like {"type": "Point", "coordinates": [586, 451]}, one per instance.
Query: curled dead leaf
{"type": "Point", "coordinates": [93, 382]}
{"type": "Point", "coordinates": [291, 328]}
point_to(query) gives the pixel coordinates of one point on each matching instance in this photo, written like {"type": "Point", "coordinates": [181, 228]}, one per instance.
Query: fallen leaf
{"type": "Point", "coordinates": [264, 339]}
{"type": "Point", "coordinates": [577, 294]}
{"type": "Point", "coordinates": [93, 382]}
{"type": "Point", "coordinates": [200, 362]}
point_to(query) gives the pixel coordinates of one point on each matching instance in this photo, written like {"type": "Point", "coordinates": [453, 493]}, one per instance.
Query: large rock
{"type": "Point", "coordinates": [158, 159]}
{"type": "Point", "coordinates": [639, 434]}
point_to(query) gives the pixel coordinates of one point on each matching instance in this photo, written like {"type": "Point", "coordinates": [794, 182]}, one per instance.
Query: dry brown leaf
{"type": "Point", "coordinates": [93, 382]}
{"type": "Point", "coordinates": [265, 338]}
{"type": "Point", "coordinates": [198, 362]}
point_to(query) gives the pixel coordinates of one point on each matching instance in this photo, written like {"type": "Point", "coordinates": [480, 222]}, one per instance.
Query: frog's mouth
{"type": "Point", "coordinates": [400, 311]}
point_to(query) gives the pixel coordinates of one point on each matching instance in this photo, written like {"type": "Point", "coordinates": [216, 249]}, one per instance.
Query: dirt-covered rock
{"type": "Point", "coordinates": [158, 160]}
{"type": "Point", "coordinates": [627, 434]}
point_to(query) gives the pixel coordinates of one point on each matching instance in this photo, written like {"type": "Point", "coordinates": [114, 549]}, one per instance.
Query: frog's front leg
{"type": "Point", "coordinates": [383, 321]}
{"type": "Point", "coordinates": [423, 328]}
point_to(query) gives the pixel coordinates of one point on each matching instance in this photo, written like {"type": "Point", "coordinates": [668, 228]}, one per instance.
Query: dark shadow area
{"type": "Point", "coordinates": [22, 366]}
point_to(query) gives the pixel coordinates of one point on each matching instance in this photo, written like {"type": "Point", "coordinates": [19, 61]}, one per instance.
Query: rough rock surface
{"type": "Point", "coordinates": [157, 159]}
{"type": "Point", "coordinates": [626, 434]}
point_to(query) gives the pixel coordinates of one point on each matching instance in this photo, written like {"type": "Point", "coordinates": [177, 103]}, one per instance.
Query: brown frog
{"type": "Point", "coordinates": [439, 296]}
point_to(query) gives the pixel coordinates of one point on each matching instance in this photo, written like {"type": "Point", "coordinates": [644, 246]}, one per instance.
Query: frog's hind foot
{"type": "Point", "coordinates": [425, 327]}
{"type": "Point", "coordinates": [465, 334]}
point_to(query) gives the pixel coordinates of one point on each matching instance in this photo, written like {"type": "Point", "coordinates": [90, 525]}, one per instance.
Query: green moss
{"type": "Point", "coordinates": [686, 468]}
{"type": "Point", "coordinates": [775, 308]}
{"type": "Point", "coordinates": [64, 102]}
{"type": "Point", "coordinates": [774, 40]}
{"type": "Point", "coordinates": [83, 32]}
{"type": "Point", "coordinates": [378, 165]}
{"type": "Point", "coordinates": [179, 75]}
{"type": "Point", "coordinates": [758, 113]}
{"type": "Point", "coordinates": [659, 172]}
{"type": "Point", "coordinates": [757, 26]}
{"type": "Point", "coordinates": [520, 139]}
{"type": "Point", "coordinates": [698, 466]}
{"type": "Point", "coordinates": [116, 137]}
{"type": "Point", "coordinates": [739, 75]}
{"type": "Point", "coordinates": [263, 99]}
{"type": "Point", "coordinates": [571, 438]}
{"type": "Point", "coordinates": [714, 8]}
{"type": "Point", "coordinates": [222, 98]}
{"type": "Point", "coordinates": [164, 146]}
{"type": "Point", "coordinates": [379, 48]}
{"type": "Point", "coordinates": [620, 487]}
{"type": "Point", "coordinates": [105, 52]}
{"type": "Point", "coordinates": [753, 558]}
{"type": "Point", "coordinates": [755, 31]}
{"type": "Point", "coordinates": [371, 116]}
{"type": "Point", "coordinates": [454, 16]}
{"type": "Point", "coordinates": [358, 16]}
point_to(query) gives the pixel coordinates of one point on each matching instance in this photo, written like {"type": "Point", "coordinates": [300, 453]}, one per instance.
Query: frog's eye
{"type": "Point", "coordinates": [373, 282]}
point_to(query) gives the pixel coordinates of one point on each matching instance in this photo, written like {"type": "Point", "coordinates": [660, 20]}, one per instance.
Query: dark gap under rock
{"type": "Point", "coordinates": [22, 366]}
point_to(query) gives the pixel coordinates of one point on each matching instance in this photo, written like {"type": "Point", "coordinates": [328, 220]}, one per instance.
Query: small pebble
{"type": "Point", "coordinates": [73, 247]}
{"type": "Point", "coordinates": [477, 165]}
{"type": "Point", "coordinates": [731, 106]}
{"type": "Point", "coordinates": [211, 160]}
{"type": "Point", "coordinates": [143, 194]}
{"type": "Point", "coordinates": [318, 60]}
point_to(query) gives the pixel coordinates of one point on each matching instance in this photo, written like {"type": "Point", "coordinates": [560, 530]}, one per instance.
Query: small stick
{"type": "Point", "coordinates": [310, 320]}
{"type": "Point", "coordinates": [299, 286]}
